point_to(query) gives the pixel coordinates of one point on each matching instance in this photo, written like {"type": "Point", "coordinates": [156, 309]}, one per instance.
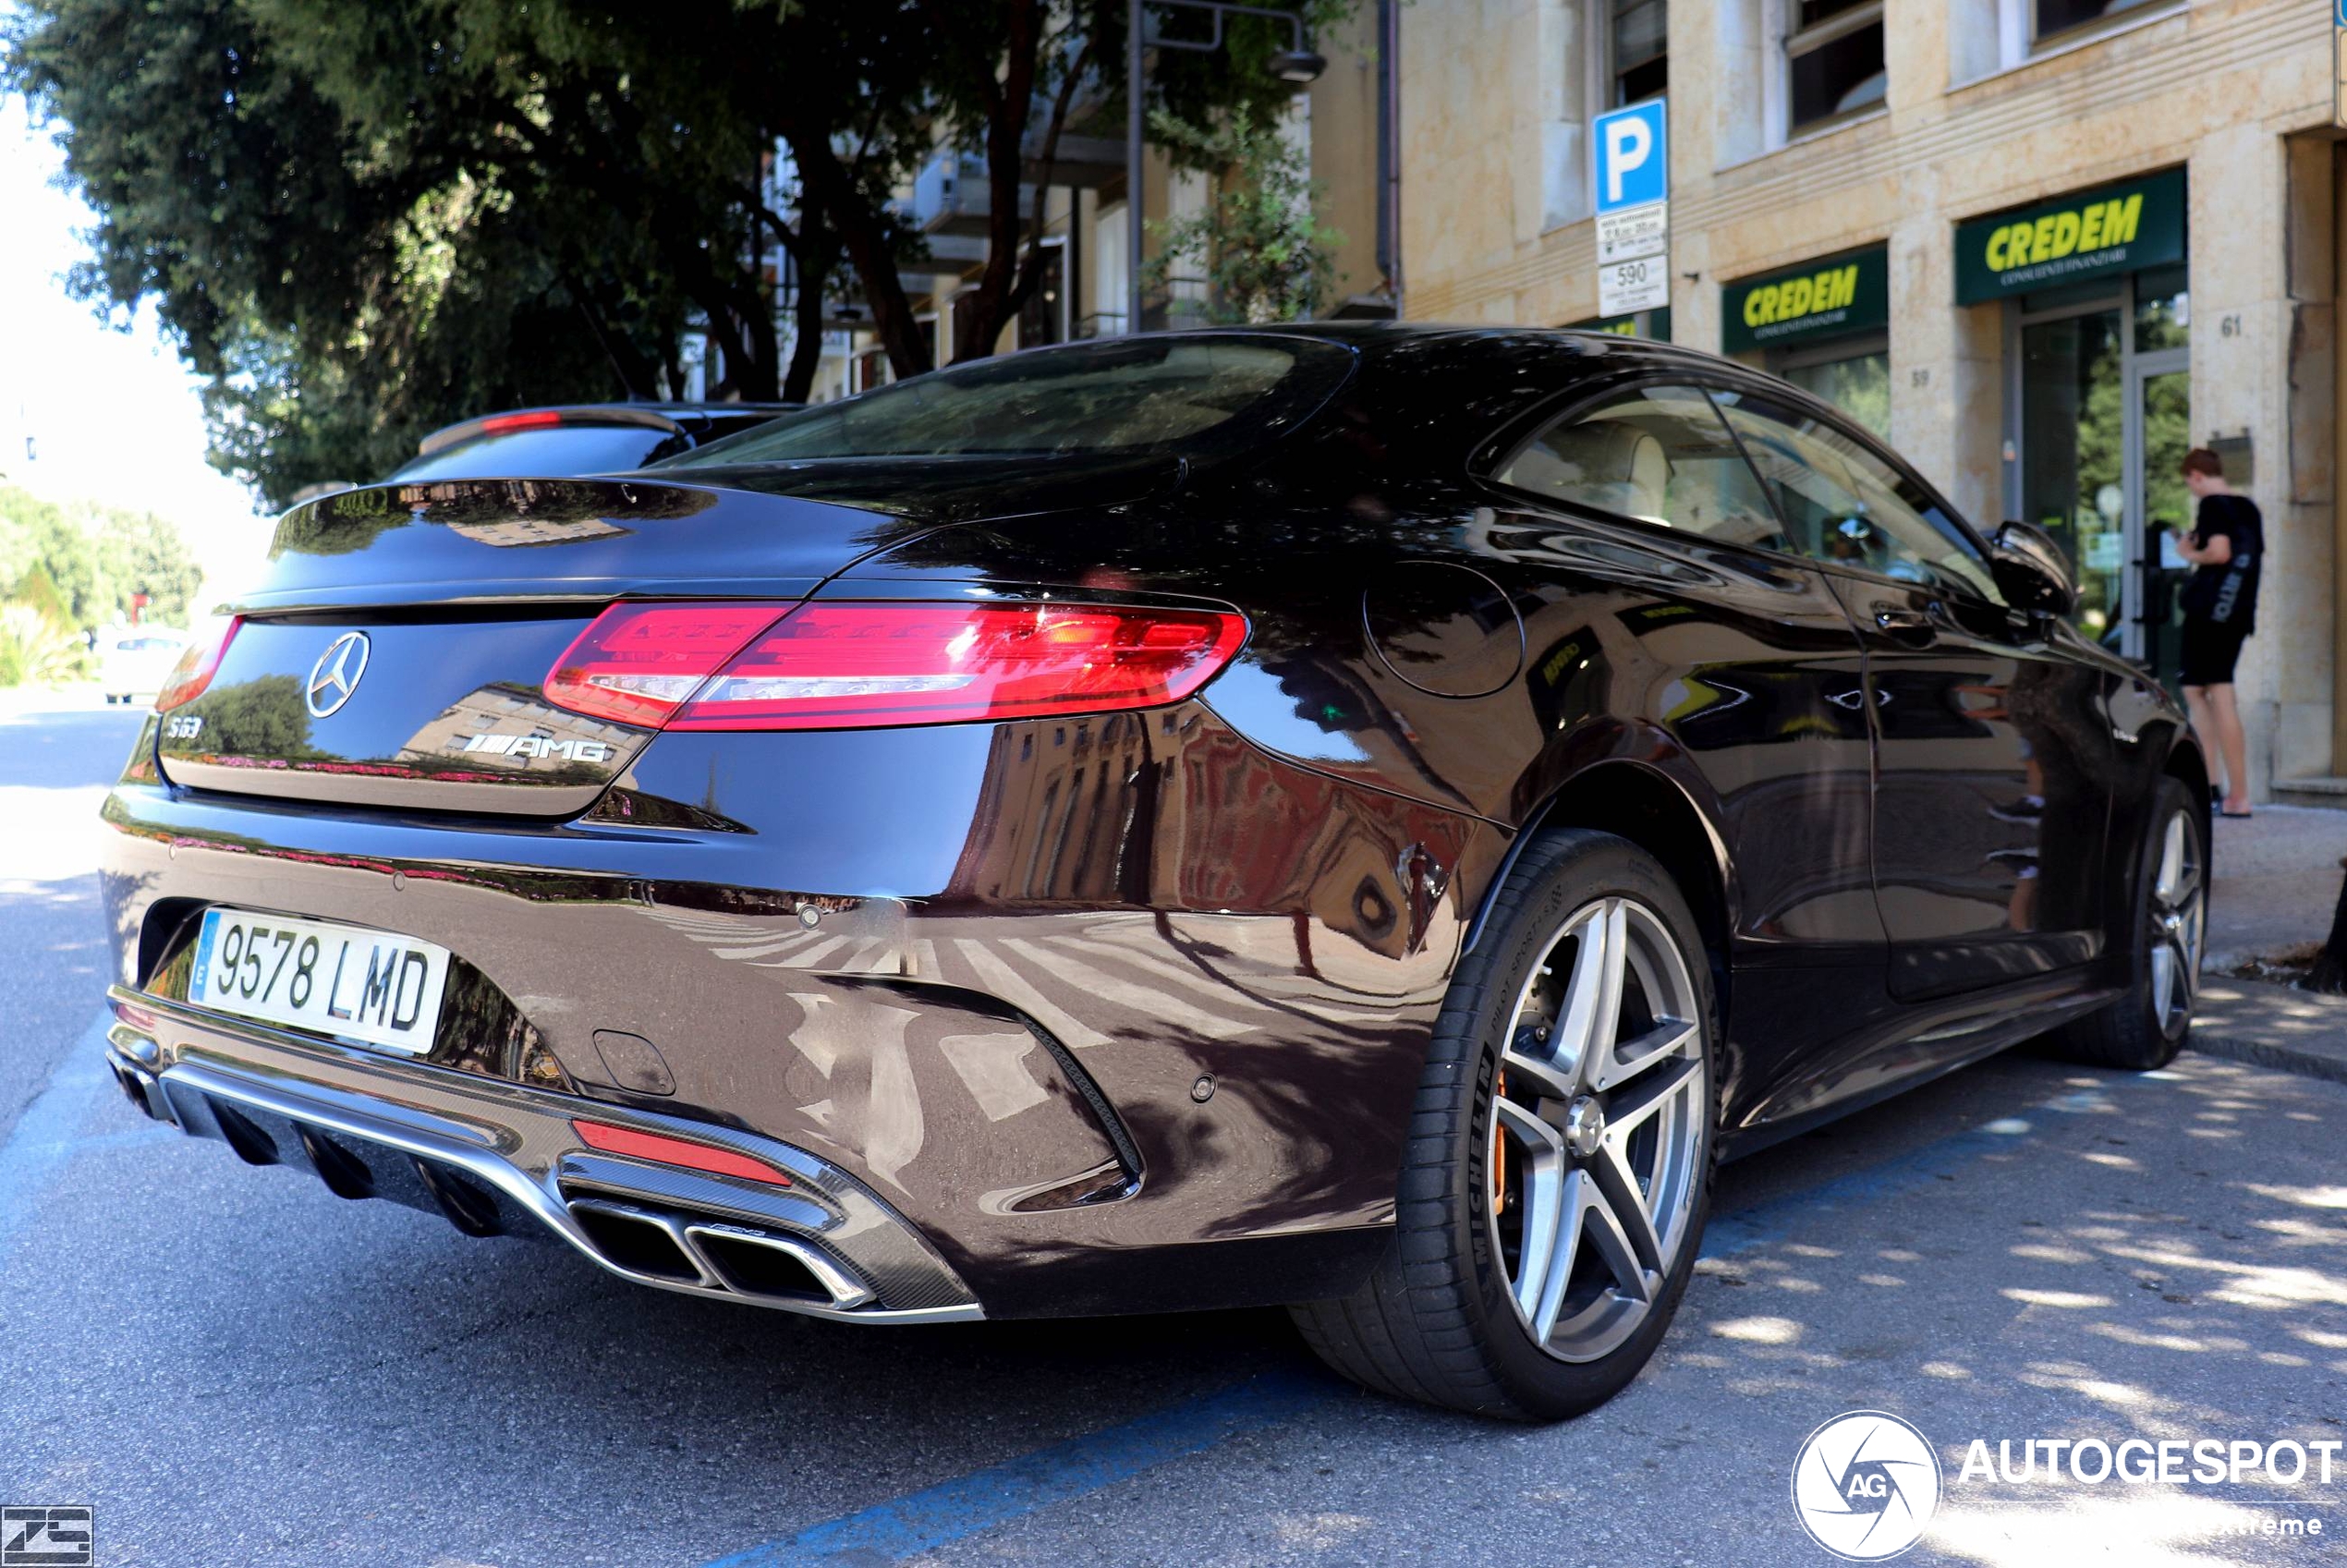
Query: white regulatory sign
{"type": "Point", "coordinates": [1643, 284]}
{"type": "Point", "coordinates": [1637, 231]}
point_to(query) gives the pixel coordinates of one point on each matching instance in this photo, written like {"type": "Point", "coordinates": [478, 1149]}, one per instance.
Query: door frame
{"type": "Point", "coordinates": [2134, 368]}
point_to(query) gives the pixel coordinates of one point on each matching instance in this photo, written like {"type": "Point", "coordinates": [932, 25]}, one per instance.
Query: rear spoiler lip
{"type": "Point", "coordinates": [648, 415]}
{"type": "Point", "coordinates": [451, 435]}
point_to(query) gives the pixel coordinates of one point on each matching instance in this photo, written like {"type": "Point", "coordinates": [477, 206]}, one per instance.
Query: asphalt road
{"type": "Point", "coordinates": [233, 1367]}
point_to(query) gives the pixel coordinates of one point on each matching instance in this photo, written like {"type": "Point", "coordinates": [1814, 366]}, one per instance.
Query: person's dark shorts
{"type": "Point", "coordinates": [2210, 650]}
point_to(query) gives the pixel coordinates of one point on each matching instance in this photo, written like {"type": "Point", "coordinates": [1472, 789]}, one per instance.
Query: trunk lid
{"type": "Point", "coordinates": [393, 655]}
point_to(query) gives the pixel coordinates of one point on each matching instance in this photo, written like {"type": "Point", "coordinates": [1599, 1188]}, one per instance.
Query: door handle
{"type": "Point", "coordinates": [1918, 628]}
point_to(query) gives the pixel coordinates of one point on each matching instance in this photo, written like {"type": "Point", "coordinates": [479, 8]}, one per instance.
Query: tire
{"type": "Point", "coordinates": [1617, 1146]}
{"type": "Point", "coordinates": [2145, 1027]}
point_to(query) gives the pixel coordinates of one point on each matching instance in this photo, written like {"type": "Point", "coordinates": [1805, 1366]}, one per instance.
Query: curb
{"type": "Point", "coordinates": [2266, 1053]}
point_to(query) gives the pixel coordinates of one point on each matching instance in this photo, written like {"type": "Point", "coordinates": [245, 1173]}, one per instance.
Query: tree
{"type": "Point", "coordinates": [1013, 75]}
{"type": "Point", "coordinates": [81, 565]}
{"type": "Point", "coordinates": [353, 240]}
{"type": "Point", "coordinates": [1264, 255]}
{"type": "Point", "coordinates": [362, 222]}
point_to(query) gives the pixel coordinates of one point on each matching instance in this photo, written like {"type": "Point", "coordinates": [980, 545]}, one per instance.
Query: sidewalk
{"type": "Point", "coordinates": [2276, 879]}
{"type": "Point", "coordinates": [2272, 1026]}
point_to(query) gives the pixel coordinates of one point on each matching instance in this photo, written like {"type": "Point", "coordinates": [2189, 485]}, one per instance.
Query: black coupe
{"type": "Point", "coordinates": [1360, 818]}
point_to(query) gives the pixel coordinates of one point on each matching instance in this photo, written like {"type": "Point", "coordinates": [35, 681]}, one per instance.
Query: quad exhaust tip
{"type": "Point", "coordinates": [709, 1254]}
{"type": "Point", "coordinates": [648, 1240]}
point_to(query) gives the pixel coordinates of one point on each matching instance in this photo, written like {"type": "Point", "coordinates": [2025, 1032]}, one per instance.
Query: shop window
{"type": "Point", "coordinates": [1636, 50]}
{"type": "Point", "coordinates": [1859, 385]}
{"type": "Point", "coordinates": [1834, 60]}
{"type": "Point", "coordinates": [2061, 16]}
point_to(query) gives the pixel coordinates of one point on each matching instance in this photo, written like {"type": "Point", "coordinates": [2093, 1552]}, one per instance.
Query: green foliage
{"type": "Point", "coordinates": [355, 228]}
{"type": "Point", "coordinates": [34, 649]}
{"type": "Point", "coordinates": [1264, 254]}
{"type": "Point", "coordinates": [361, 222]}
{"type": "Point", "coordinates": [81, 565]}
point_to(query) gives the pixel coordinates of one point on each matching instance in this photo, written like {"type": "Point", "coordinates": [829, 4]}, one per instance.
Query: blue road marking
{"type": "Point", "coordinates": [934, 1517]}
{"type": "Point", "coordinates": [42, 1139]}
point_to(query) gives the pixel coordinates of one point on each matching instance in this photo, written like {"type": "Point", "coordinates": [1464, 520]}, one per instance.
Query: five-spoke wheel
{"type": "Point", "coordinates": [1559, 1163]}
{"type": "Point", "coordinates": [2146, 1026]}
{"type": "Point", "coordinates": [2176, 914]}
{"type": "Point", "coordinates": [1598, 1128]}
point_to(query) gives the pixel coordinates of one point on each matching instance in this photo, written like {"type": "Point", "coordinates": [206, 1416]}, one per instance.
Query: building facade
{"type": "Point", "coordinates": [2044, 246]}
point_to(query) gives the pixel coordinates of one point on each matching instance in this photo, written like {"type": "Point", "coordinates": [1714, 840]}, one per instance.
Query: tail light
{"type": "Point", "coordinates": [197, 664]}
{"type": "Point", "coordinates": [860, 666]}
{"type": "Point", "coordinates": [537, 419]}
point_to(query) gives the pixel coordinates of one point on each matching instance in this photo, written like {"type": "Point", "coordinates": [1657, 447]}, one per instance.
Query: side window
{"type": "Point", "coordinates": [1657, 455]}
{"type": "Point", "coordinates": [1847, 507]}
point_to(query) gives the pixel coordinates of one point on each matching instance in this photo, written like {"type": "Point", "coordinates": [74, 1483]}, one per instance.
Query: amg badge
{"type": "Point", "coordinates": [536, 745]}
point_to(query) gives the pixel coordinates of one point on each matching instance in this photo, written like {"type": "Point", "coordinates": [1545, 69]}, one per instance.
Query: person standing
{"type": "Point", "coordinates": [2226, 549]}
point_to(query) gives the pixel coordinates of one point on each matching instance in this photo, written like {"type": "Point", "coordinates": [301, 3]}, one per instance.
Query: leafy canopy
{"type": "Point", "coordinates": [362, 222]}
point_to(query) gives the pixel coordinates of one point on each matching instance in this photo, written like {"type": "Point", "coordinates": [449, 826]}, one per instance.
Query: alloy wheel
{"type": "Point", "coordinates": [2178, 914]}
{"type": "Point", "coordinates": [1599, 1129]}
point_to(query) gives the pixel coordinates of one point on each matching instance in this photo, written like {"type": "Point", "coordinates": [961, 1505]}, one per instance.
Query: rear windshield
{"type": "Point", "coordinates": [548, 452]}
{"type": "Point", "coordinates": [1124, 394]}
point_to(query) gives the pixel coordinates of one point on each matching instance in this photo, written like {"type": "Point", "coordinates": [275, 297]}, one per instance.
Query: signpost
{"type": "Point", "coordinates": [1630, 173]}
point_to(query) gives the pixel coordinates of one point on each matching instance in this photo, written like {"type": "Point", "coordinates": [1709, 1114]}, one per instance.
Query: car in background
{"type": "Point", "coordinates": [594, 438]}
{"type": "Point", "coordinates": [135, 661]}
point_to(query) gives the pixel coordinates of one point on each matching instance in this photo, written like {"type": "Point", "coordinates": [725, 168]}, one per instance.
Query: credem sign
{"type": "Point", "coordinates": [2118, 229]}
{"type": "Point", "coordinates": [1829, 298]}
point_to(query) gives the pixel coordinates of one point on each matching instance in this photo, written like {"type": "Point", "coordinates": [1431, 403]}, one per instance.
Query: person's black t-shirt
{"type": "Point", "coordinates": [2227, 595]}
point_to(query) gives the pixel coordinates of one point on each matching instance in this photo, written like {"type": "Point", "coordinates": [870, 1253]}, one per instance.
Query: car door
{"type": "Point", "coordinates": [1659, 592]}
{"type": "Point", "coordinates": [1991, 796]}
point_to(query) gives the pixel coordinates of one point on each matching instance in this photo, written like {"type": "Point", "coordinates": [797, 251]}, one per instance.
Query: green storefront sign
{"type": "Point", "coordinates": [2137, 222]}
{"type": "Point", "coordinates": [1657, 325]}
{"type": "Point", "coordinates": [1835, 298]}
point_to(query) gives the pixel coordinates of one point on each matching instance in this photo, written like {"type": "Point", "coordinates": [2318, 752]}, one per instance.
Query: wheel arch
{"type": "Point", "coordinates": [1651, 808]}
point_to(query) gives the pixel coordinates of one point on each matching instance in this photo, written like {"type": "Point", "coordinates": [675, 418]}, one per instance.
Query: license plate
{"type": "Point", "coordinates": [372, 987]}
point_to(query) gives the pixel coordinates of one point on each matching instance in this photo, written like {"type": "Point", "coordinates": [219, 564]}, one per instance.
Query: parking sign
{"type": "Point", "coordinates": [1630, 157]}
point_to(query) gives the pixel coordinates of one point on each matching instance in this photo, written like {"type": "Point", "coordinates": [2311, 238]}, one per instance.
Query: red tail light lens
{"type": "Point", "coordinates": [537, 419]}
{"type": "Point", "coordinates": [862, 666]}
{"type": "Point", "coordinates": [198, 664]}
{"type": "Point", "coordinates": [859, 667]}
{"type": "Point", "coordinates": [676, 1151]}
{"type": "Point", "coordinates": [638, 662]}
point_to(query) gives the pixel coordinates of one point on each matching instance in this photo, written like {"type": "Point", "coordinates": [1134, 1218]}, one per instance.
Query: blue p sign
{"type": "Point", "coordinates": [1632, 161]}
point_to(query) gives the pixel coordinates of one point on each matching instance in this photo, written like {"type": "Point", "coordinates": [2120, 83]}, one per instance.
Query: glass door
{"type": "Point", "coordinates": [2162, 406]}
{"type": "Point", "coordinates": [2073, 456]}
{"type": "Point", "coordinates": [2098, 418]}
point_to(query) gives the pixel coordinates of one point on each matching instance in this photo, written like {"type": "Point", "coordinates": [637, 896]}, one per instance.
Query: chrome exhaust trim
{"type": "Point", "coordinates": [499, 1160]}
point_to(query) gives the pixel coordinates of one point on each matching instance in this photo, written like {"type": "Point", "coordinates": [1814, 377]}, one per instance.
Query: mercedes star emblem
{"type": "Point", "coordinates": [335, 674]}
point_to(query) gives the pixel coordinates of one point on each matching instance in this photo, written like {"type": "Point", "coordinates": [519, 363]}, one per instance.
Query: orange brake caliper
{"type": "Point", "coordinates": [1499, 1148]}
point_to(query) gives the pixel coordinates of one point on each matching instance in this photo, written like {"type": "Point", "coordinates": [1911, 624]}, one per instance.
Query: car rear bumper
{"type": "Point", "coordinates": [1112, 1015]}
{"type": "Point", "coordinates": [504, 1159]}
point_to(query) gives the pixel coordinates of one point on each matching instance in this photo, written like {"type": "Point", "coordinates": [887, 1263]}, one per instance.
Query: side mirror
{"type": "Point", "coordinates": [2031, 571]}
